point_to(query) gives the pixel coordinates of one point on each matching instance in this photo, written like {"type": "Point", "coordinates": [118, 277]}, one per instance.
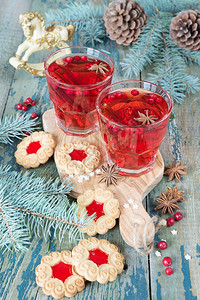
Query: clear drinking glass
{"type": "Point", "coordinates": [74, 86]}
{"type": "Point", "coordinates": [122, 109]}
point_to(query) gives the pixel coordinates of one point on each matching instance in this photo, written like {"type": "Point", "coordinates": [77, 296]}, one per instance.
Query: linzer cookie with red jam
{"type": "Point", "coordinates": [97, 260]}
{"type": "Point", "coordinates": [77, 158]}
{"type": "Point", "coordinates": [57, 277]}
{"type": "Point", "coordinates": [106, 207]}
{"type": "Point", "coordinates": [35, 149]}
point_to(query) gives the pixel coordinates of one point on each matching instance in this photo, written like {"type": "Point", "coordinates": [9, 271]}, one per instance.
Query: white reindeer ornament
{"type": "Point", "coordinates": [39, 38]}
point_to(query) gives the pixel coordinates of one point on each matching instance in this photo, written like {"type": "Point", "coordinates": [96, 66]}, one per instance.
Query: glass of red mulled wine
{"type": "Point", "coordinates": [133, 117]}
{"type": "Point", "coordinates": [75, 77]}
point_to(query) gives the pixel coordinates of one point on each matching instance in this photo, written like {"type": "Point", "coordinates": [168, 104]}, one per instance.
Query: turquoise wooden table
{"type": "Point", "coordinates": [143, 277]}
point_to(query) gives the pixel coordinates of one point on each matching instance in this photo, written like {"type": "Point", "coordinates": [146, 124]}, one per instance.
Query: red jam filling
{"type": "Point", "coordinates": [95, 207]}
{"type": "Point", "coordinates": [78, 155]}
{"type": "Point", "coordinates": [33, 147]}
{"type": "Point", "coordinates": [62, 271]}
{"type": "Point", "coordinates": [98, 257]}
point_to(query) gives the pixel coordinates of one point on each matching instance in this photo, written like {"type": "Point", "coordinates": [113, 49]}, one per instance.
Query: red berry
{"type": "Point", "coordinates": [159, 100]}
{"type": "Point", "coordinates": [34, 115]}
{"type": "Point", "coordinates": [153, 96]}
{"type": "Point", "coordinates": [83, 58]}
{"type": "Point", "coordinates": [33, 102]}
{"type": "Point", "coordinates": [19, 106]}
{"type": "Point", "coordinates": [135, 92]}
{"type": "Point", "coordinates": [69, 92]}
{"type": "Point", "coordinates": [24, 107]}
{"type": "Point", "coordinates": [77, 58]}
{"type": "Point", "coordinates": [78, 92]}
{"type": "Point", "coordinates": [28, 100]}
{"type": "Point", "coordinates": [111, 96]}
{"type": "Point", "coordinates": [162, 245]}
{"type": "Point", "coordinates": [169, 271]}
{"type": "Point", "coordinates": [26, 132]}
{"type": "Point", "coordinates": [167, 261]}
{"type": "Point", "coordinates": [118, 95]}
{"type": "Point", "coordinates": [170, 221]}
{"type": "Point", "coordinates": [151, 101]}
{"type": "Point", "coordinates": [178, 216]}
{"type": "Point", "coordinates": [86, 92]}
{"type": "Point", "coordinates": [69, 59]}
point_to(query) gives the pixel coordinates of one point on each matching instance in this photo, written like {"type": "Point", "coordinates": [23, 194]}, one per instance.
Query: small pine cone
{"type": "Point", "coordinates": [123, 21]}
{"type": "Point", "coordinates": [185, 30]}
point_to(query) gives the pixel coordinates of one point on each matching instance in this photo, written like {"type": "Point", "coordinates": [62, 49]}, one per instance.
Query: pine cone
{"type": "Point", "coordinates": [185, 29]}
{"type": "Point", "coordinates": [124, 20]}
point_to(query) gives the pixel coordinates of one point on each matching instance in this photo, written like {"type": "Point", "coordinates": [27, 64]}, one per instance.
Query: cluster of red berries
{"type": "Point", "coordinates": [162, 245]}
{"type": "Point", "coordinates": [24, 106]}
{"type": "Point", "coordinates": [177, 216]}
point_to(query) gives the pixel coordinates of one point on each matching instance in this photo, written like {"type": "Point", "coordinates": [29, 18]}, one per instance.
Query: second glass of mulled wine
{"type": "Point", "coordinates": [133, 117]}
{"type": "Point", "coordinates": [75, 77]}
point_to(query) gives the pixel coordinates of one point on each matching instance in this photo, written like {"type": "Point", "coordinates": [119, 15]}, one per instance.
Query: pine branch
{"type": "Point", "coordinates": [14, 127]}
{"type": "Point", "coordinates": [31, 204]}
{"type": "Point", "coordinates": [87, 19]}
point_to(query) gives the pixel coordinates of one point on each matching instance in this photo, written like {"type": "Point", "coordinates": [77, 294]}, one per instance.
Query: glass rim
{"type": "Point", "coordinates": [146, 126]}
{"type": "Point", "coordinates": [75, 85]}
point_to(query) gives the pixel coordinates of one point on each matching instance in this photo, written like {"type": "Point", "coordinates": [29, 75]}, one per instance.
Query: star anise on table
{"type": "Point", "coordinates": [175, 171]}
{"type": "Point", "coordinates": [99, 68]}
{"type": "Point", "coordinates": [167, 203]}
{"type": "Point", "coordinates": [145, 118]}
{"type": "Point", "coordinates": [109, 174]}
{"type": "Point", "coordinates": [175, 193]}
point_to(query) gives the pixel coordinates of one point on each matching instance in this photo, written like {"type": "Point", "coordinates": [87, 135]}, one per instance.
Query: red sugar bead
{"type": "Point", "coordinates": [69, 59]}
{"type": "Point", "coordinates": [34, 115]}
{"type": "Point", "coordinates": [24, 107]}
{"type": "Point", "coordinates": [77, 57]}
{"type": "Point", "coordinates": [178, 216]}
{"type": "Point", "coordinates": [167, 261]}
{"type": "Point", "coordinates": [135, 92]}
{"type": "Point", "coordinates": [162, 245]}
{"type": "Point", "coordinates": [19, 106]}
{"type": "Point", "coordinates": [170, 221]}
{"type": "Point", "coordinates": [83, 58]}
{"type": "Point", "coordinates": [28, 100]}
{"type": "Point", "coordinates": [33, 103]}
{"type": "Point", "coordinates": [169, 271]}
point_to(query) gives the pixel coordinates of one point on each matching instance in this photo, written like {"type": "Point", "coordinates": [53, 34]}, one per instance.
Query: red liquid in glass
{"type": "Point", "coordinates": [75, 105]}
{"type": "Point", "coordinates": [98, 256]}
{"type": "Point", "coordinates": [133, 148]}
{"type": "Point", "coordinates": [95, 207]}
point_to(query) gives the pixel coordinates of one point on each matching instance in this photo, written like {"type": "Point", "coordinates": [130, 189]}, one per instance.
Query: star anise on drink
{"type": "Point", "coordinates": [175, 193]}
{"type": "Point", "coordinates": [175, 171]}
{"type": "Point", "coordinates": [167, 203]}
{"type": "Point", "coordinates": [145, 118]}
{"type": "Point", "coordinates": [99, 68]}
{"type": "Point", "coordinates": [109, 174]}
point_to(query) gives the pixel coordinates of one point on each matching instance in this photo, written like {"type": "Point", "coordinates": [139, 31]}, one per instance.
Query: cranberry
{"type": "Point", "coordinates": [159, 100]}
{"type": "Point", "coordinates": [78, 92]}
{"type": "Point", "coordinates": [24, 107]}
{"type": "Point", "coordinates": [19, 106]}
{"type": "Point", "coordinates": [26, 132]}
{"type": "Point", "coordinates": [170, 221]}
{"type": "Point", "coordinates": [135, 92]}
{"type": "Point", "coordinates": [167, 261]}
{"type": "Point", "coordinates": [118, 95]}
{"type": "Point", "coordinates": [33, 102]}
{"type": "Point", "coordinates": [169, 271]}
{"type": "Point", "coordinates": [162, 245]}
{"type": "Point", "coordinates": [28, 100]}
{"type": "Point", "coordinates": [34, 115]}
{"type": "Point", "coordinates": [68, 59]}
{"type": "Point", "coordinates": [178, 216]}
{"type": "Point", "coordinates": [69, 92]}
{"type": "Point", "coordinates": [151, 101]}
{"type": "Point", "coordinates": [83, 58]}
{"type": "Point", "coordinates": [86, 92]}
{"type": "Point", "coordinates": [111, 96]}
{"type": "Point", "coordinates": [153, 96]}
{"type": "Point", "coordinates": [77, 58]}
